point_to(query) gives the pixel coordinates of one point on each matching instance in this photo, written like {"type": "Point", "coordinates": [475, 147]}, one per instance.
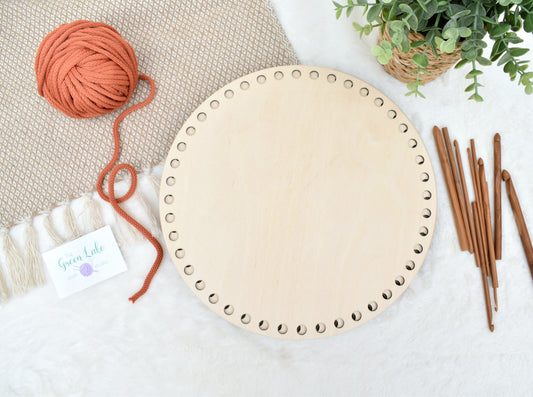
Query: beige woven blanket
{"type": "Point", "coordinates": [190, 48]}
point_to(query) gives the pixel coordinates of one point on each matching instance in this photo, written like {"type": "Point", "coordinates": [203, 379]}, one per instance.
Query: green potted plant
{"type": "Point", "coordinates": [421, 39]}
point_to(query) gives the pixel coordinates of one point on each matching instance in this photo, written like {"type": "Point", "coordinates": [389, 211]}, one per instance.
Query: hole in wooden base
{"type": "Point", "coordinates": [200, 285]}
{"type": "Point", "coordinates": [228, 309]}
{"type": "Point", "coordinates": [245, 85]}
{"type": "Point", "coordinates": [261, 79]}
{"type": "Point", "coordinates": [372, 306]}
{"type": "Point", "coordinates": [170, 217]}
{"type": "Point", "coordinates": [192, 130]}
{"type": "Point", "coordinates": [320, 328]}
{"type": "Point", "coordinates": [228, 94]}
{"type": "Point", "coordinates": [426, 195]}
{"type": "Point", "coordinates": [387, 294]}
{"type": "Point", "coordinates": [356, 316]}
{"type": "Point", "coordinates": [246, 318]}
{"type": "Point", "coordinates": [180, 253]}
{"type": "Point", "coordinates": [202, 116]}
{"type": "Point", "coordinates": [348, 83]}
{"type": "Point", "coordinates": [314, 74]}
{"type": "Point", "coordinates": [420, 160]}
{"type": "Point", "coordinates": [173, 235]}
{"type": "Point", "coordinates": [423, 231]}
{"type": "Point", "coordinates": [424, 177]}
{"type": "Point", "coordinates": [412, 143]}
{"type": "Point", "coordinates": [263, 325]}
{"type": "Point", "coordinates": [213, 298]}
{"type": "Point", "coordinates": [169, 199]}
{"type": "Point", "coordinates": [403, 128]}
{"type": "Point", "coordinates": [331, 78]}
{"type": "Point", "coordinates": [339, 323]}
{"type": "Point", "coordinates": [282, 329]}
{"type": "Point", "coordinates": [301, 329]}
{"type": "Point", "coordinates": [175, 163]}
{"type": "Point", "coordinates": [171, 181]}
{"type": "Point", "coordinates": [426, 213]}
{"type": "Point", "coordinates": [296, 74]}
{"type": "Point", "coordinates": [188, 270]}
{"type": "Point", "coordinates": [410, 265]}
{"type": "Point", "coordinates": [400, 280]}
{"type": "Point", "coordinates": [278, 75]}
{"type": "Point", "coordinates": [418, 248]}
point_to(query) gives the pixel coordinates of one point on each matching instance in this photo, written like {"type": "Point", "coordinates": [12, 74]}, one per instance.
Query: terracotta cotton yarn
{"type": "Point", "coordinates": [86, 69]}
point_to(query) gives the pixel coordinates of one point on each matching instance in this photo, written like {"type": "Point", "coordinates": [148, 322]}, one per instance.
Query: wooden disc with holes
{"type": "Point", "coordinates": [298, 202]}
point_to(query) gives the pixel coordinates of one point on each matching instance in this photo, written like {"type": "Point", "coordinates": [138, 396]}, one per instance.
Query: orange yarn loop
{"type": "Point", "coordinates": [86, 69]}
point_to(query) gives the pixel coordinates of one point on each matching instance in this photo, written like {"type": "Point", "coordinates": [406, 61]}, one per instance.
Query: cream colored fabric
{"type": "Point", "coordinates": [190, 48]}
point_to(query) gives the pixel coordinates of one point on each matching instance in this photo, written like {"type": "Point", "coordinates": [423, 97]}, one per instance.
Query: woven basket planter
{"type": "Point", "coordinates": [401, 64]}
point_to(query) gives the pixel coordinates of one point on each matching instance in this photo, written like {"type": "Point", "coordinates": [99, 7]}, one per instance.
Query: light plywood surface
{"type": "Point", "coordinates": [298, 202]}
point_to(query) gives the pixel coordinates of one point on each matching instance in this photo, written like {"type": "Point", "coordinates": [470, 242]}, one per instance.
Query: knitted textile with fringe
{"type": "Point", "coordinates": [47, 159]}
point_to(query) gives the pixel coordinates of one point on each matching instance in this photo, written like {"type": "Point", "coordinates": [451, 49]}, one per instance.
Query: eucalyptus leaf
{"type": "Point", "coordinates": [528, 22]}
{"type": "Point", "coordinates": [421, 60]}
{"type": "Point", "coordinates": [373, 13]}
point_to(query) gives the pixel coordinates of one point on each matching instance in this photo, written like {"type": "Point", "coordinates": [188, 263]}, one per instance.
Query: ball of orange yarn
{"type": "Point", "coordinates": [86, 69]}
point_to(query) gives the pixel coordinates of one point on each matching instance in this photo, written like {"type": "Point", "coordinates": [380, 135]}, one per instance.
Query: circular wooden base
{"type": "Point", "coordinates": [298, 202]}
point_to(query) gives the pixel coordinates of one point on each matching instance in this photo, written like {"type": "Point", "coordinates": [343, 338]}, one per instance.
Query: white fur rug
{"type": "Point", "coordinates": [433, 341]}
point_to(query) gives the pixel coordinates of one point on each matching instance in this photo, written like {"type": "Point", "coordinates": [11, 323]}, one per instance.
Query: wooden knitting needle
{"type": "Point", "coordinates": [519, 219]}
{"type": "Point", "coordinates": [488, 232]}
{"type": "Point", "coordinates": [497, 197]}
{"type": "Point", "coordinates": [457, 185]}
{"type": "Point", "coordinates": [470, 220]}
{"type": "Point", "coordinates": [485, 282]}
{"type": "Point", "coordinates": [446, 170]}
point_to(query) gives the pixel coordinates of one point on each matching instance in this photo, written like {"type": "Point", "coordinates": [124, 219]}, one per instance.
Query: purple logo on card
{"type": "Point", "coordinates": [86, 269]}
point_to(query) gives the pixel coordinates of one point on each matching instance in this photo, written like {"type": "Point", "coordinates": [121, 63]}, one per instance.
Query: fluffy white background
{"type": "Point", "coordinates": [432, 341]}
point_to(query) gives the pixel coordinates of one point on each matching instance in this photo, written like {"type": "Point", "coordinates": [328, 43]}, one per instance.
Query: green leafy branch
{"type": "Point", "coordinates": [448, 25]}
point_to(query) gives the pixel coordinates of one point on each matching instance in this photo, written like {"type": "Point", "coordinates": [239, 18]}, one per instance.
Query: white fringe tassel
{"type": "Point", "coordinates": [152, 178]}
{"type": "Point", "coordinates": [153, 225]}
{"type": "Point", "coordinates": [25, 271]}
{"type": "Point", "coordinates": [92, 213]}
{"type": "Point", "coordinates": [32, 254]}
{"type": "Point", "coordinates": [127, 232]}
{"type": "Point", "coordinates": [18, 273]}
{"type": "Point", "coordinates": [4, 292]}
{"type": "Point", "coordinates": [50, 229]}
{"type": "Point", "coordinates": [71, 226]}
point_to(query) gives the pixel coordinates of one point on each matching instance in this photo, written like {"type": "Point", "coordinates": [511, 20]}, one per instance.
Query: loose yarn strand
{"type": "Point", "coordinates": [86, 69]}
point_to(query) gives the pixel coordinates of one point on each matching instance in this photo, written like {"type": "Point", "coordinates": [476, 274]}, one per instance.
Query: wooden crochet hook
{"type": "Point", "coordinates": [497, 197]}
{"type": "Point", "coordinates": [484, 279]}
{"type": "Point", "coordinates": [519, 218]}
{"type": "Point", "coordinates": [488, 225]}
{"type": "Point", "coordinates": [448, 178]}
{"type": "Point", "coordinates": [466, 198]}
{"type": "Point", "coordinates": [484, 259]}
{"type": "Point", "coordinates": [458, 190]}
